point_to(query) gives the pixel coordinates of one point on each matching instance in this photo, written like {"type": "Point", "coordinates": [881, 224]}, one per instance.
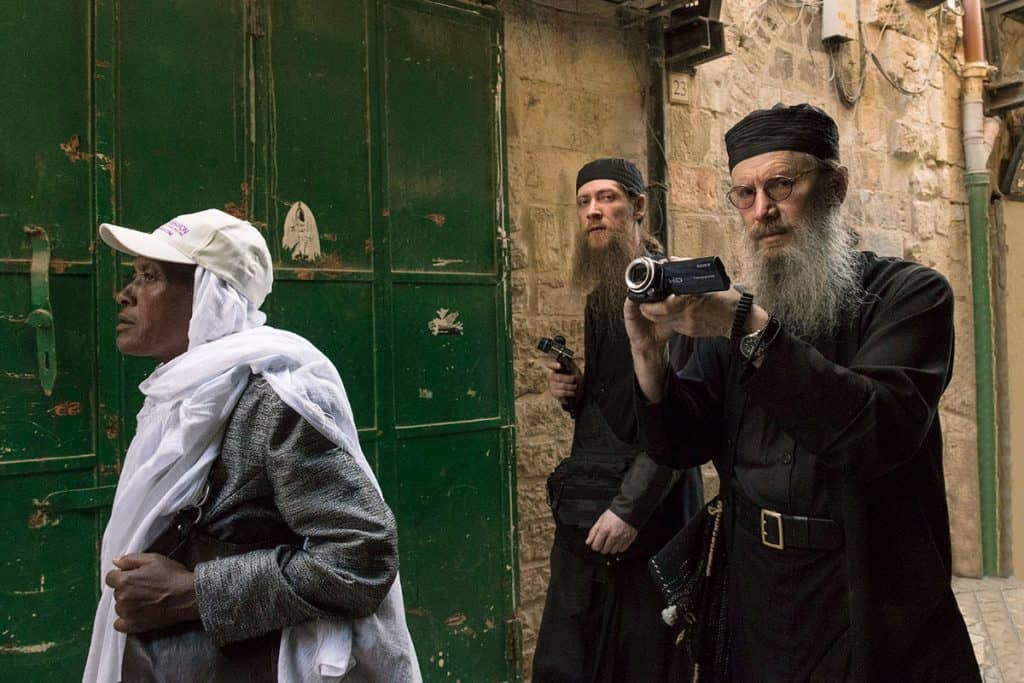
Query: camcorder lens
{"type": "Point", "coordinates": [640, 274]}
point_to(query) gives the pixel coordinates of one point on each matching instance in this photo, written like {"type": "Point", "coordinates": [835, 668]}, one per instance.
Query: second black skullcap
{"type": "Point", "coordinates": [798, 128]}
{"type": "Point", "coordinates": [620, 170]}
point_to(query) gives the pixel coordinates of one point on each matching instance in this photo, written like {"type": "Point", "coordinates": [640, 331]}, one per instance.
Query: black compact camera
{"type": "Point", "coordinates": [563, 354]}
{"type": "Point", "coordinates": [653, 279]}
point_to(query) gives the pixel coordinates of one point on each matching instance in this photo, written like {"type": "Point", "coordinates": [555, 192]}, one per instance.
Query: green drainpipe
{"type": "Point", "coordinates": [977, 201]}
{"type": "Point", "coordinates": [976, 154]}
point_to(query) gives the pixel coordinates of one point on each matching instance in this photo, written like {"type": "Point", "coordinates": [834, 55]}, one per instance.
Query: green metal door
{"type": "Point", "coordinates": [365, 140]}
{"type": "Point", "coordinates": [445, 279]}
{"type": "Point", "coordinates": [52, 438]}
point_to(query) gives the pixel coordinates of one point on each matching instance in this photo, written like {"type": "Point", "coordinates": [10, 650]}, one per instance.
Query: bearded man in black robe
{"type": "Point", "coordinates": [613, 506]}
{"type": "Point", "coordinates": [815, 392]}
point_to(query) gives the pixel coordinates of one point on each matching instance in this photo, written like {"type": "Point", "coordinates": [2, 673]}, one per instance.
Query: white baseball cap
{"type": "Point", "coordinates": [228, 247]}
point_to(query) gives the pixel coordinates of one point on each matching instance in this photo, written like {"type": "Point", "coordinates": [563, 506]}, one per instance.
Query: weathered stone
{"type": "Point", "coordinates": [520, 256]}
{"type": "Point", "coordinates": [882, 242]}
{"type": "Point", "coordinates": [535, 538]}
{"type": "Point", "coordinates": [924, 216]}
{"type": "Point", "coordinates": [696, 188]}
{"type": "Point", "coordinates": [693, 136]}
{"type": "Point", "coordinates": [905, 140]}
{"type": "Point", "coordinates": [530, 378]}
{"type": "Point", "coordinates": [808, 74]}
{"type": "Point", "coordinates": [520, 292]}
{"type": "Point", "coordinates": [534, 586]}
{"type": "Point", "coordinates": [550, 236]}
{"type": "Point", "coordinates": [703, 235]}
{"type": "Point", "coordinates": [871, 123]}
{"type": "Point", "coordinates": [536, 417]}
{"type": "Point", "coordinates": [541, 456]}
{"type": "Point", "coordinates": [533, 499]}
{"type": "Point", "coordinates": [782, 65]}
{"type": "Point", "coordinates": [925, 182]}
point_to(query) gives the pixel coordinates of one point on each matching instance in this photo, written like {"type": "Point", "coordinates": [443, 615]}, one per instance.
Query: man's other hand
{"type": "Point", "coordinates": [610, 534]}
{"type": "Point", "coordinates": [564, 387]}
{"type": "Point", "coordinates": [151, 591]}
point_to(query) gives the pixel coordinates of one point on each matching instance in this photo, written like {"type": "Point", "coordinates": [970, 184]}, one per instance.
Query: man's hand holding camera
{"type": "Point", "coordinates": [564, 386]}
{"type": "Point", "coordinates": [650, 325]}
{"type": "Point", "coordinates": [694, 315]}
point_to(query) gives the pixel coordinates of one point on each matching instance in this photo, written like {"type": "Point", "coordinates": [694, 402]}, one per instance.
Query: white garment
{"type": "Point", "coordinates": [180, 427]}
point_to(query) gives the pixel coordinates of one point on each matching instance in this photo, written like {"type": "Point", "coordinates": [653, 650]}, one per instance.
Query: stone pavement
{"type": "Point", "coordinates": [994, 611]}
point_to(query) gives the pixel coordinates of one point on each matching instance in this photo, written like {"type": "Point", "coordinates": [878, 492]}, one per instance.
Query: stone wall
{"type": "Point", "coordinates": [575, 91]}
{"type": "Point", "coordinates": [576, 86]}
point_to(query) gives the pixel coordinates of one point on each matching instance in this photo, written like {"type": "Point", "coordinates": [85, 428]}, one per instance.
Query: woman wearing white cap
{"type": "Point", "coordinates": [248, 539]}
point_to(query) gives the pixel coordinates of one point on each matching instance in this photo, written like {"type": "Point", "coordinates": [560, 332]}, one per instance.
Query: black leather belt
{"type": "Point", "coordinates": [780, 531]}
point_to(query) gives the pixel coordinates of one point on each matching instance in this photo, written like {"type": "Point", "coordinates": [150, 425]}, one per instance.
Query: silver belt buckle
{"type": "Point", "coordinates": [765, 516]}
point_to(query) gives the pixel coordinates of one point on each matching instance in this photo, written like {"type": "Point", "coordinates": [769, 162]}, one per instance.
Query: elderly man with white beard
{"type": "Point", "coordinates": [815, 392]}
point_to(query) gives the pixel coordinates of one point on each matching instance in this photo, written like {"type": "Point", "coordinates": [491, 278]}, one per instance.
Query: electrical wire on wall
{"type": "Point", "coordinates": [850, 94]}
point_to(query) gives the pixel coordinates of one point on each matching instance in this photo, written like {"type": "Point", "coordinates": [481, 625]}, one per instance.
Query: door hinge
{"type": "Point", "coordinates": [48, 510]}
{"type": "Point", "coordinates": [514, 641]}
{"type": "Point", "coordinates": [77, 499]}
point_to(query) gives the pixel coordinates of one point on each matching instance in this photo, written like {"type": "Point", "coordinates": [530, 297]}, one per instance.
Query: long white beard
{"type": "Point", "coordinates": [813, 285]}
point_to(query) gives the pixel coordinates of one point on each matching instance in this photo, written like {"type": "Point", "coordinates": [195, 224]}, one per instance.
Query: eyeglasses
{"type": "Point", "coordinates": [777, 188]}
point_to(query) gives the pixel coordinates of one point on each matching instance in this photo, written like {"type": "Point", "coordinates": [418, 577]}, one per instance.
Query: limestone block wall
{"type": "Point", "coordinates": [576, 86]}
{"type": "Point", "coordinates": [575, 91]}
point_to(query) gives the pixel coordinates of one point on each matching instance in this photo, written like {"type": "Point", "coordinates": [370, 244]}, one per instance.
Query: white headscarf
{"type": "Point", "coordinates": [188, 402]}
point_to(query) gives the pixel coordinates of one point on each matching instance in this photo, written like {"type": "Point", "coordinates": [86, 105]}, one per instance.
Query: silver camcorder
{"type": "Point", "coordinates": [651, 279]}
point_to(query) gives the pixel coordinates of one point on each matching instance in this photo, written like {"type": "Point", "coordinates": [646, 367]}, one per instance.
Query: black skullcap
{"type": "Point", "coordinates": [621, 170]}
{"type": "Point", "coordinates": [800, 128]}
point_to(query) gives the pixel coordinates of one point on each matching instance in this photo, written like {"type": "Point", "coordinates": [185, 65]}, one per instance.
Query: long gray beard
{"type": "Point", "coordinates": [601, 272]}
{"type": "Point", "coordinates": [812, 286]}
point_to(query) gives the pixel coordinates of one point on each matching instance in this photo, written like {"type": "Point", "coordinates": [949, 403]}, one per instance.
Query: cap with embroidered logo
{"type": "Point", "coordinates": [228, 247]}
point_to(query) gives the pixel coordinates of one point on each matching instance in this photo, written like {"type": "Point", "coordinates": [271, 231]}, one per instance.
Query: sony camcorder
{"type": "Point", "coordinates": [651, 279]}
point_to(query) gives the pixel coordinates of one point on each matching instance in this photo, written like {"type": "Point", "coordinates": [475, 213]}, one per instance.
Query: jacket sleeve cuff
{"type": "Point", "coordinates": [238, 600]}
{"type": "Point", "coordinates": [643, 488]}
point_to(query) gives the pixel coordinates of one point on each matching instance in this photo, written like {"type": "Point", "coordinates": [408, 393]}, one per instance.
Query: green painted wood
{"type": "Point", "coordinates": [338, 318]}
{"type": "Point", "coordinates": [448, 364]}
{"type": "Point", "coordinates": [317, 113]}
{"type": "Point", "coordinates": [45, 126]}
{"type": "Point", "coordinates": [182, 110]}
{"type": "Point", "coordinates": [445, 272]}
{"type": "Point", "coordinates": [384, 118]}
{"type": "Point", "coordinates": [181, 105]}
{"type": "Point", "coordinates": [441, 169]}
{"type": "Point", "coordinates": [449, 507]}
{"type": "Point", "coordinates": [48, 582]}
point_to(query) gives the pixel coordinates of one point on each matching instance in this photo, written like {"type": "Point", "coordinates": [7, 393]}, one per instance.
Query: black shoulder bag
{"type": "Point", "coordinates": [692, 569]}
{"type": "Point", "coordinates": [184, 653]}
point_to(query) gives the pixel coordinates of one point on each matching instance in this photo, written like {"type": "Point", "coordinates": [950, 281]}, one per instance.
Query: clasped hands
{"type": "Point", "coordinates": [151, 591]}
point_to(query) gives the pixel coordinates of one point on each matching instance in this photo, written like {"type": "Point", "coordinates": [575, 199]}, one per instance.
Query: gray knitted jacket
{"type": "Point", "coordinates": [276, 470]}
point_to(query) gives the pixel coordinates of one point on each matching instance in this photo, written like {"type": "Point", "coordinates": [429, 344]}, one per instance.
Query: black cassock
{"type": "Point", "coordinates": [845, 430]}
{"type": "Point", "coordinates": [602, 616]}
